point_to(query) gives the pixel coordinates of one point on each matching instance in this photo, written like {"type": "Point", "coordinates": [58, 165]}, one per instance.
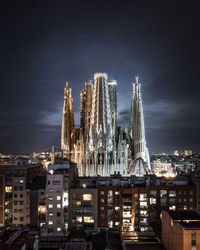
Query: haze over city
{"type": "Point", "coordinates": [44, 44]}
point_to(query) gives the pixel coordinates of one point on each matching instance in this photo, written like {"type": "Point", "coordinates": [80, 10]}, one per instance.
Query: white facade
{"type": "Point", "coordinates": [57, 188]}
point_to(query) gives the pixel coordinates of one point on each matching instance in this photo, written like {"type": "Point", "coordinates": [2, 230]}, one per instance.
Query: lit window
{"type": "Point", "coordinates": [116, 208]}
{"type": "Point", "coordinates": [172, 208]}
{"type": "Point", "coordinates": [152, 201]}
{"type": "Point", "coordinates": [116, 223]}
{"type": "Point", "coordinates": [102, 192]}
{"type": "Point", "coordinates": [79, 219]}
{"type": "Point", "coordinates": [102, 208]}
{"type": "Point", "coordinates": [50, 198]}
{"type": "Point", "coordinates": [58, 205]}
{"type": "Point", "coordinates": [50, 205]}
{"type": "Point", "coordinates": [172, 193]}
{"type": "Point", "coordinates": [116, 192]}
{"type": "Point", "coordinates": [88, 219]}
{"type": "Point", "coordinates": [58, 229]}
{"type": "Point", "coordinates": [163, 193]}
{"type": "Point", "coordinates": [50, 214]}
{"type": "Point", "coordinates": [191, 192]}
{"type": "Point", "coordinates": [58, 197]}
{"type": "Point", "coordinates": [21, 181]}
{"type": "Point", "coordinates": [191, 199]}
{"type": "Point", "coordinates": [78, 203]}
{"type": "Point", "coordinates": [50, 222]}
{"type": "Point", "coordinates": [184, 207]}
{"type": "Point", "coordinates": [110, 193]}
{"type": "Point", "coordinates": [102, 200]}
{"type": "Point", "coordinates": [8, 189]}
{"type": "Point", "coordinates": [87, 197]}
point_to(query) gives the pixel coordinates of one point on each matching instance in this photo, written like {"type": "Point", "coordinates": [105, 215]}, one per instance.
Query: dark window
{"type": "Point", "coordinates": [193, 239]}
{"type": "Point", "coordinates": [15, 195]}
{"type": "Point", "coordinates": [58, 214]}
{"type": "Point", "coordinates": [15, 187]}
{"type": "Point", "coordinates": [21, 187]}
{"type": "Point", "coordinates": [21, 196]}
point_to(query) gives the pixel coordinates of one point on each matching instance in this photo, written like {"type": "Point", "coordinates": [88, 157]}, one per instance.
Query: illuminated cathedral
{"type": "Point", "coordinates": [99, 146]}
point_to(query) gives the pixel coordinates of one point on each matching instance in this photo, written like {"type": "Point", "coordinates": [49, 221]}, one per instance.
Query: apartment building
{"type": "Point", "coordinates": [59, 179]}
{"type": "Point", "coordinates": [138, 206]}
{"type": "Point", "coordinates": [181, 230]}
{"type": "Point", "coordinates": [37, 189]}
{"type": "Point", "coordinates": [16, 196]}
{"type": "Point", "coordinates": [83, 208]}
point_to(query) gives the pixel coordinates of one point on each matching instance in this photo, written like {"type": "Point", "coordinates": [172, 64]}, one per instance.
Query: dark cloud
{"type": "Point", "coordinates": [45, 43]}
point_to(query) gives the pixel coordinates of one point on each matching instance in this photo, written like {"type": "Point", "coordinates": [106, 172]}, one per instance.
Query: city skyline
{"type": "Point", "coordinates": [42, 49]}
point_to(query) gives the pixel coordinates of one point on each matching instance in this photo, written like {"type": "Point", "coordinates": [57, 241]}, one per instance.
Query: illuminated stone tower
{"type": "Point", "coordinates": [88, 108]}
{"type": "Point", "coordinates": [68, 129]}
{"type": "Point", "coordinates": [99, 146]}
{"type": "Point", "coordinates": [137, 132]}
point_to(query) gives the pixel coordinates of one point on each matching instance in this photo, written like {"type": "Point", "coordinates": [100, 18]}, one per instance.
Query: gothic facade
{"type": "Point", "coordinates": [100, 146]}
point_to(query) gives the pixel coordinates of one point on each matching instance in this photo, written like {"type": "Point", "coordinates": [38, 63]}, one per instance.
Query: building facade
{"type": "Point", "coordinates": [83, 208]}
{"type": "Point", "coordinates": [16, 196]}
{"type": "Point", "coordinates": [58, 182]}
{"type": "Point", "coordinates": [181, 230]}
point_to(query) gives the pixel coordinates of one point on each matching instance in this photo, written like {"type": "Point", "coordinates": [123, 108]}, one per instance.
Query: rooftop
{"type": "Point", "coordinates": [191, 225]}
{"type": "Point", "coordinates": [185, 215]}
{"type": "Point", "coordinates": [38, 183]}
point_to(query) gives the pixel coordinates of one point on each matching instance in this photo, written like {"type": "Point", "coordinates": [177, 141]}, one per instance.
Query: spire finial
{"type": "Point", "coordinates": [136, 79]}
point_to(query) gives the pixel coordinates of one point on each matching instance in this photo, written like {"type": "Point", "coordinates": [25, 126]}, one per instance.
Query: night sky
{"type": "Point", "coordinates": [43, 44]}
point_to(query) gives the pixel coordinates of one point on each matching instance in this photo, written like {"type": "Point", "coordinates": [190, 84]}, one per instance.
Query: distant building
{"type": "Point", "coordinates": [187, 153]}
{"type": "Point", "coordinates": [181, 230]}
{"type": "Point", "coordinates": [2, 203]}
{"type": "Point", "coordinates": [162, 168]}
{"type": "Point", "coordinates": [15, 193]}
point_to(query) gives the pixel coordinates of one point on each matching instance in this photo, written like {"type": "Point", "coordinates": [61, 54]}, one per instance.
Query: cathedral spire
{"type": "Point", "coordinates": [67, 122]}
{"type": "Point", "coordinates": [137, 129]}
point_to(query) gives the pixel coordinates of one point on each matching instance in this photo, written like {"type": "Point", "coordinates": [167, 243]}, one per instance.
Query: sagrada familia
{"type": "Point", "coordinates": [100, 146]}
